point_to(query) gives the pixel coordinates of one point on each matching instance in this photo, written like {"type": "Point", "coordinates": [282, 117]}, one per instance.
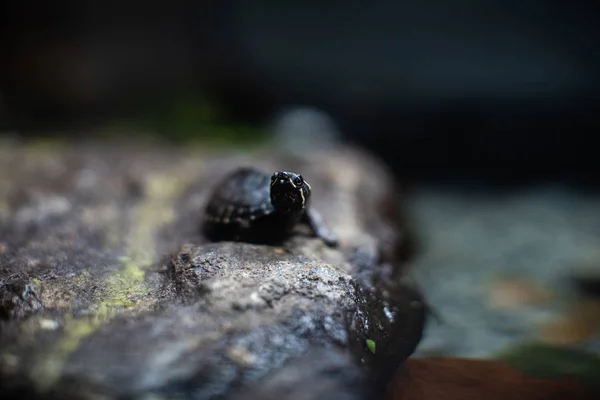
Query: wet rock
{"type": "Point", "coordinates": [111, 292]}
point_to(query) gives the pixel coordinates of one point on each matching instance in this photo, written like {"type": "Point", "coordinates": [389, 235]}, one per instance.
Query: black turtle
{"type": "Point", "coordinates": [251, 205]}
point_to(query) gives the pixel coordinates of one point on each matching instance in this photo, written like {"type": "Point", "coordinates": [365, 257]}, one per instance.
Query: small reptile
{"type": "Point", "coordinates": [253, 206]}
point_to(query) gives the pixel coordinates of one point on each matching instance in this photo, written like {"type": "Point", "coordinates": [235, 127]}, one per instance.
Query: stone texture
{"type": "Point", "coordinates": [108, 290]}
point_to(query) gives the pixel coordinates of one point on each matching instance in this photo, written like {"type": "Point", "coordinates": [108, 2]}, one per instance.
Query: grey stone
{"type": "Point", "coordinates": [109, 291]}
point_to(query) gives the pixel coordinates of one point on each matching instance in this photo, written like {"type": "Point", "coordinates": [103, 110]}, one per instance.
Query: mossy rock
{"type": "Point", "coordinates": [109, 290]}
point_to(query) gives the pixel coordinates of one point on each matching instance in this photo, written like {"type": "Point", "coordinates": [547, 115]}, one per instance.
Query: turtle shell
{"type": "Point", "coordinates": [242, 197]}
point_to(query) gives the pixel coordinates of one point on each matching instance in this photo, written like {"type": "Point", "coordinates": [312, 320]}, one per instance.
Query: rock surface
{"type": "Point", "coordinates": [107, 289]}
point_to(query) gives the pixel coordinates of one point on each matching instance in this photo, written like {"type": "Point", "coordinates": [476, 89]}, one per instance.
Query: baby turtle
{"type": "Point", "coordinates": [250, 205]}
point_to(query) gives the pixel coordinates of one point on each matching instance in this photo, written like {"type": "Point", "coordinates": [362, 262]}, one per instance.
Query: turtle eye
{"type": "Point", "coordinates": [298, 181]}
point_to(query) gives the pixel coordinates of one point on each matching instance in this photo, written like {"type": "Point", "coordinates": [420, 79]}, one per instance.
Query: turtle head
{"type": "Point", "coordinates": [289, 191]}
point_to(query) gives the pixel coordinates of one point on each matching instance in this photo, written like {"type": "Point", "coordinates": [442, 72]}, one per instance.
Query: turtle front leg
{"type": "Point", "coordinates": [315, 221]}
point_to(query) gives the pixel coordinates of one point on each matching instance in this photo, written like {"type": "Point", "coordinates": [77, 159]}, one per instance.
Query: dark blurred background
{"type": "Point", "coordinates": [499, 90]}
